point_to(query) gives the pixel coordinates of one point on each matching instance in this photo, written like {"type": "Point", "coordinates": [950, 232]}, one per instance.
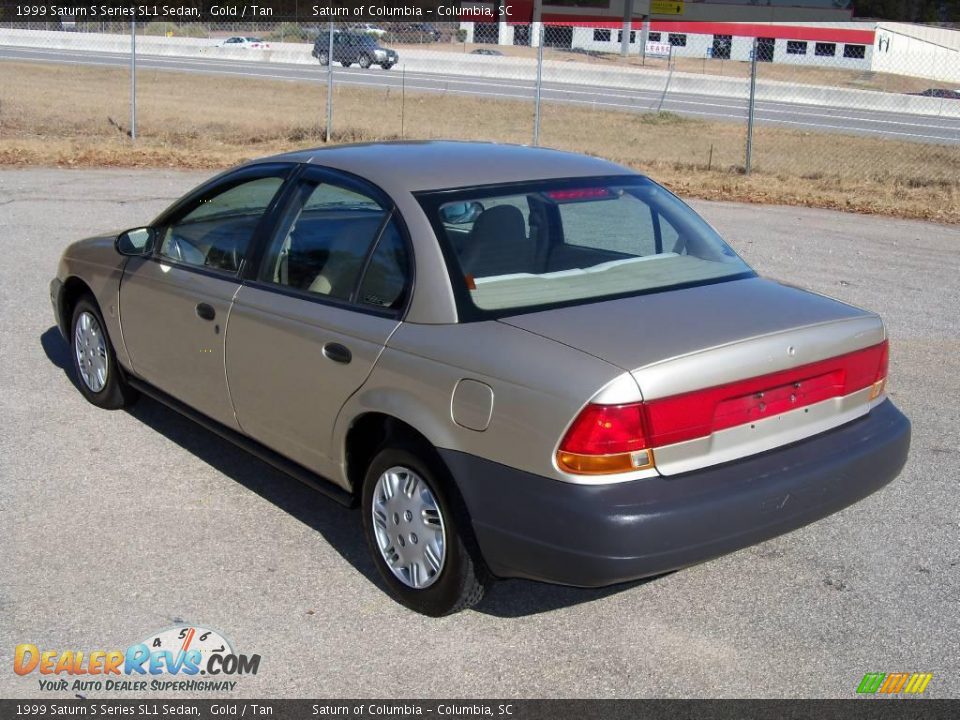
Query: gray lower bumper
{"type": "Point", "coordinates": [534, 527]}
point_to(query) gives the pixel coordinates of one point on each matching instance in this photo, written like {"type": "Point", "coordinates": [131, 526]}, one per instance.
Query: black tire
{"type": "Point", "coordinates": [364, 61]}
{"type": "Point", "coordinates": [463, 577]}
{"type": "Point", "coordinates": [345, 63]}
{"type": "Point", "coordinates": [324, 59]}
{"type": "Point", "coordinates": [387, 66]}
{"type": "Point", "coordinates": [115, 393]}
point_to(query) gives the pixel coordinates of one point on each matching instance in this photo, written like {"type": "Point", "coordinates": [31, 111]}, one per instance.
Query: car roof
{"type": "Point", "coordinates": [447, 164]}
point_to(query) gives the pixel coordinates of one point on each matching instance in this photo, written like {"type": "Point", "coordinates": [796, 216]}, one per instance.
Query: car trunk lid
{"type": "Point", "coordinates": [794, 348]}
{"type": "Point", "coordinates": [639, 331]}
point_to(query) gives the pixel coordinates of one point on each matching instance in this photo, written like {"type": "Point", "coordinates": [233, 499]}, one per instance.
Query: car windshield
{"type": "Point", "coordinates": [545, 244]}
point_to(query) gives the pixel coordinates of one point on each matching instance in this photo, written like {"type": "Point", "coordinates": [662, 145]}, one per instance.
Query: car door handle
{"type": "Point", "coordinates": [337, 353]}
{"type": "Point", "coordinates": [205, 311]}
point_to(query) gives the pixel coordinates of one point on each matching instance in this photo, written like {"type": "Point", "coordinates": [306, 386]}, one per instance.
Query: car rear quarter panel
{"type": "Point", "coordinates": [538, 387]}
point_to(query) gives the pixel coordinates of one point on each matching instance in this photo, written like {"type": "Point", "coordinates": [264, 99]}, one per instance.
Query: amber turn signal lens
{"type": "Point", "coordinates": [605, 464]}
{"type": "Point", "coordinates": [876, 390]}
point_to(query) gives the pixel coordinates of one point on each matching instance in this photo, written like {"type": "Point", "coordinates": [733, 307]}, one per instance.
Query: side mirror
{"type": "Point", "coordinates": [460, 213]}
{"type": "Point", "coordinates": [135, 242]}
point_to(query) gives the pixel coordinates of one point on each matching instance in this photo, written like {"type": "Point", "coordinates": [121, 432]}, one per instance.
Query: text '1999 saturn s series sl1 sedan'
{"type": "Point", "coordinates": [519, 362]}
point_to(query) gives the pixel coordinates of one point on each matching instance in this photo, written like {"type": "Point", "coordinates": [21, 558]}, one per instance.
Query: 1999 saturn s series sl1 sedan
{"type": "Point", "coordinates": [519, 362]}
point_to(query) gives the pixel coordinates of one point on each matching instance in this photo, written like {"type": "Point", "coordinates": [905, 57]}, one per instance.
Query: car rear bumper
{"type": "Point", "coordinates": [534, 527]}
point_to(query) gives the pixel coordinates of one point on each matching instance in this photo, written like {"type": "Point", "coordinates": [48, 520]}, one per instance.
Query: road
{"type": "Point", "coordinates": [902, 126]}
{"type": "Point", "coordinates": [117, 524]}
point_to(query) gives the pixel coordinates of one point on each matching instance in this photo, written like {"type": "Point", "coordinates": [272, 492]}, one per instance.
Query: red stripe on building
{"type": "Point", "coordinates": [704, 27]}
{"type": "Point", "coordinates": [780, 32]}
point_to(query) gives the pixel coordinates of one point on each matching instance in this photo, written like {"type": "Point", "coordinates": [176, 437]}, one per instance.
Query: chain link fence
{"type": "Point", "coordinates": [803, 111]}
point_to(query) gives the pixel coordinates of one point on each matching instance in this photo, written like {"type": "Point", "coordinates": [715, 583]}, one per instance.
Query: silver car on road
{"type": "Point", "coordinates": [518, 362]}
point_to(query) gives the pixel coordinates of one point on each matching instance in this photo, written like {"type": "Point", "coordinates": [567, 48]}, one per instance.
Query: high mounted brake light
{"type": "Point", "coordinates": [621, 438]}
{"type": "Point", "coordinates": [595, 193]}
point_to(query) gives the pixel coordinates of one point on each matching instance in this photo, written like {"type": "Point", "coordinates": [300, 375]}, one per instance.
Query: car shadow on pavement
{"type": "Point", "coordinates": [340, 526]}
{"type": "Point", "coordinates": [58, 352]}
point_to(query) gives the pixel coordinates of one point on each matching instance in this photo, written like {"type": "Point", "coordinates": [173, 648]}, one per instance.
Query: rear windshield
{"type": "Point", "coordinates": [534, 246]}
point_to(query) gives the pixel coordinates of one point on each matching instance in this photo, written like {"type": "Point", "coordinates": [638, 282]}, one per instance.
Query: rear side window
{"type": "Point", "coordinates": [323, 244]}
{"type": "Point", "coordinates": [564, 242]}
{"type": "Point", "coordinates": [385, 279]}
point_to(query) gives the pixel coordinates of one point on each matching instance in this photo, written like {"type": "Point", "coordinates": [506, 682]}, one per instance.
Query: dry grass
{"type": "Point", "coordinates": [69, 116]}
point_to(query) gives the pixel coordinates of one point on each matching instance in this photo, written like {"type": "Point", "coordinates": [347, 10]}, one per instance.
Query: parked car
{"type": "Point", "coordinates": [415, 32]}
{"type": "Point", "coordinates": [941, 93]}
{"type": "Point", "coordinates": [350, 48]}
{"type": "Point", "coordinates": [252, 43]}
{"type": "Point", "coordinates": [518, 362]}
{"type": "Point", "coordinates": [376, 30]}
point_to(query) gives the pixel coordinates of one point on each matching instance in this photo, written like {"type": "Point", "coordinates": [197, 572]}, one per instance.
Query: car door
{"type": "Point", "coordinates": [175, 303]}
{"type": "Point", "coordinates": [309, 323]}
{"type": "Point", "coordinates": [340, 48]}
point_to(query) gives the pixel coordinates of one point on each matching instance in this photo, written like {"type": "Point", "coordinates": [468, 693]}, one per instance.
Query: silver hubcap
{"type": "Point", "coordinates": [409, 527]}
{"type": "Point", "coordinates": [91, 349]}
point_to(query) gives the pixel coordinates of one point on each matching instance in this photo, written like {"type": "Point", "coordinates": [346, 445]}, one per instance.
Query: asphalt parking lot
{"type": "Point", "coordinates": [114, 525]}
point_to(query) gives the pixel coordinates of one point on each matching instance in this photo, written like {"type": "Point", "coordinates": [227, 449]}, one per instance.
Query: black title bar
{"type": "Point", "coordinates": [511, 11]}
{"type": "Point", "coordinates": [72, 11]}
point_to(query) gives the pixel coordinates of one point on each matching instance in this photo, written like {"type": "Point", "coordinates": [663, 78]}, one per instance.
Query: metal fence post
{"type": "Point", "coordinates": [133, 79]}
{"type": "Point", "coordinates": [536, 109]}
{"type": "Point", "coordinates": [626, 27]}
{"type": "Point", "coordinates": [751, 107]}
{"type": "Point", "coordinates": [329, 82]}
{"type": "Point", "coordinates": [644, 36]}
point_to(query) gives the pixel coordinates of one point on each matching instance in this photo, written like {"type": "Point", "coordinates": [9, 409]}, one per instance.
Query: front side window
{"type": "Point", "coordinates": [323, 242]}
{"type": "Point", "coordinates": [567, 241]}
{"type": "Point", "coordinates": [216, 233]}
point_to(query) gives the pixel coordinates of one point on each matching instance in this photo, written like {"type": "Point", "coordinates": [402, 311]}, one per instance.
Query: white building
{"type": "Point", "coordinates": [919, 50]}
{"type": "Point", "coordinates": [916, 50]}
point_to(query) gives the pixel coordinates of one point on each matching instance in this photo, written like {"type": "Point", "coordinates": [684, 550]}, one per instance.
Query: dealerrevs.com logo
{"type": "Point", "coordinates": [894, 683]}
{"type": "Point", "coordinates": [182, 658]}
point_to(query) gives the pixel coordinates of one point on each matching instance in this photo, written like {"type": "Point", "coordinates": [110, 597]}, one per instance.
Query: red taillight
{"type": "Point", "coordinates": [606, 439]}
{"type": "Point", "coordinates": [702, 412]}
{"type": "Point", "coordinates": [621, 438]}
{"type": "Point", "coordinates": [606, 429]}
{"type": "Point", "coordinates": [880, 380]}
{"type": "Point", "coordinates": [884, 366]}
